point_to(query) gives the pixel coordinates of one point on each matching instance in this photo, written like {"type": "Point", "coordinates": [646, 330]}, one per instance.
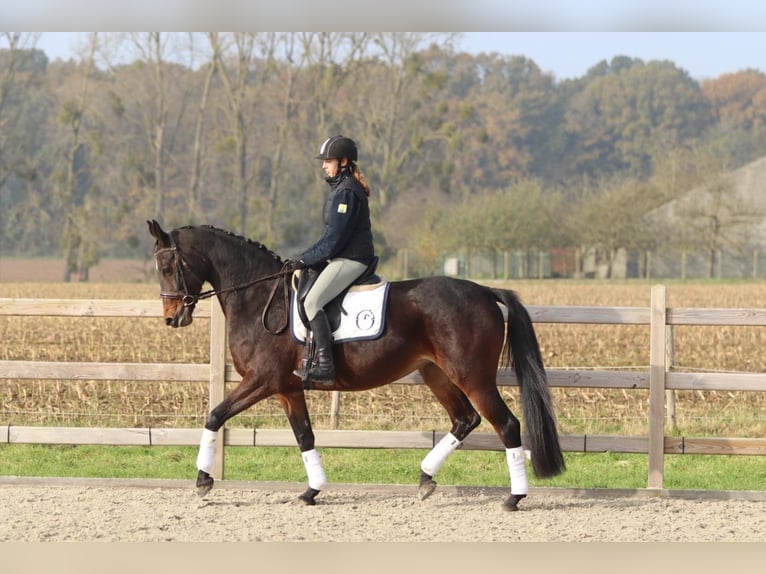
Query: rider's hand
{"type": "Point", "coordinates": [295, 264]}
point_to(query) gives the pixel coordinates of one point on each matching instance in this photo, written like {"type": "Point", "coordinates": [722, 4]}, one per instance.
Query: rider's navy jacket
{"type": "Point", "coordinates": [348, 232]}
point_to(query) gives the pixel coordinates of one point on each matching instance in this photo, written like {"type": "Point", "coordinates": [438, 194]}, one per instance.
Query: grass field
{"type": "Point", "coordinates": [400, 407]}
{"type": "Point", "coordinates": [375, 466]}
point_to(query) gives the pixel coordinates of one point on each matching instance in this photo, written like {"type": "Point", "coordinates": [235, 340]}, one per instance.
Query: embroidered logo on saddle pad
{"type": "Point", "coordinates": [362, 317]}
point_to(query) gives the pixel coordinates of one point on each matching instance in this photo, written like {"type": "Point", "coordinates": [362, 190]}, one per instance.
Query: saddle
{"type": "Point", "coordinates": [304, 279]}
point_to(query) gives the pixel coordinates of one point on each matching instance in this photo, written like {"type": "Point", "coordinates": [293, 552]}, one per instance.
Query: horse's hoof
{"type": "Point", "coordinates": [204, 483]}
{"type": "Point", "coordinates": [307, 501]}
{"type": "Point", "coordinates": [426, 488]}
{"type": "Point", "coordinates": [308, 497]}
{"type": "Point", "coordinates": [512, 504]}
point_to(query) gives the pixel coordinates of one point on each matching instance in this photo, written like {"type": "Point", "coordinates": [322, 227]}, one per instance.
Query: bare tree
{"type": "Point", "coordinates": [327, 57]}
{"type": "Point", "coordinates": [243, 77]}
{"type": "Point", "coordinates": [80, 253]}
{"type": "Point", "coordinates": [287, 42]}
{"type": "Point", "coordinates": [196, 163]}
{"type": "Point", "coordinates": [9, 73]}
{"type": "Point", "coordinates": [716, 219]}
{"type": "Point", "coordinates": [150, 46]}
{"type": "Point", "coordinates": [611, 218]}
{"type": "Point", "coordinates": [706, 210]}
{"type": "Point", "coordinates": [392, 96]}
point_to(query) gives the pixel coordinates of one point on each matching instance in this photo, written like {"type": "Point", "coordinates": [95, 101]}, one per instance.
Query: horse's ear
{"type": "Point", "coordinates": [157, 232]}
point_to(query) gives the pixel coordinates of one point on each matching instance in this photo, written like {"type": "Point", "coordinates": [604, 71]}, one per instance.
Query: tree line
{"type": "Point", "coordinates": [464, 152]}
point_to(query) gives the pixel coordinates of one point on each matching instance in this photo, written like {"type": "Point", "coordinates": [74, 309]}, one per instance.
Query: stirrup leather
{"type": "Point", "coordinates": [307, 362]}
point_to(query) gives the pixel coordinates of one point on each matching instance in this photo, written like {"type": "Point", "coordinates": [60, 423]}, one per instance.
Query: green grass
{"type": "Point", "coordinates": [375, 466]}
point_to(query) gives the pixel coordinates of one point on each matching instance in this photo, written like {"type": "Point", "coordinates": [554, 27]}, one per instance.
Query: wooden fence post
{"type": "Point", "coordinates": [657, 372]}
{"type": "Point", "coordinates": [335, 410]}
{"type": "Point", "coordinates": [218, 354]}
{"type": "Point", "coordinates": [670, 395]}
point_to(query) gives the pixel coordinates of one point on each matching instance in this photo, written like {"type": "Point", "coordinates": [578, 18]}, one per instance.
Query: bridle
{"type": "Point", "coordinates": [182, 294]}
{"type": "Point", "coordinates": [189, 300]}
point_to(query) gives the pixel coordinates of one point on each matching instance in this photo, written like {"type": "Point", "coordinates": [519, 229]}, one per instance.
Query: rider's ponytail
{"type": "Point", "coordinates": [359, 176]}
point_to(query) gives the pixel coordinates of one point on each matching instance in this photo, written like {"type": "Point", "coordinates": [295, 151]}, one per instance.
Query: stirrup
{"type": "Point", "coordinates": [305, 380]}
{"type": "Point", "coordinates": [308, 381]}
{"type": "Point", "coordinates": [308, 359]}
{"type": "Point", "coordinates": [321, 380]}
{"type": "Point", "coordinates": [303, 375]}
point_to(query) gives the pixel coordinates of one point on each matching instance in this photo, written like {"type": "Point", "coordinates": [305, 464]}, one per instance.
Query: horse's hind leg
{"type": "Point", "coordinates": [492, 406]}
{"type": "Point", "coordinates": [294, 405]}
{"type": "Point", "coordinates": [464, 419]}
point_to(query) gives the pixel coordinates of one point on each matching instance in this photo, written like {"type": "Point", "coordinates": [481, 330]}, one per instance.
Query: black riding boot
{"type": "Point", "coordinates": [323, 368]}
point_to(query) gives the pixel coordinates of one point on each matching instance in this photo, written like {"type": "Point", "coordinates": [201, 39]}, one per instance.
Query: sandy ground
{"type": "Point", "coordinates": [40, 512]}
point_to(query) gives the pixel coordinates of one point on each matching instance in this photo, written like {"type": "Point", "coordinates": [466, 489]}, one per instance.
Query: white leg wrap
{"type": "Point", "coordinates": [518, 470]}
{"type": "Point", "coordinates": [434, 459]}
{"type": "Point", "coordinates": [314, 469]}
{"type": "Point", "coordinates": [206, 453]}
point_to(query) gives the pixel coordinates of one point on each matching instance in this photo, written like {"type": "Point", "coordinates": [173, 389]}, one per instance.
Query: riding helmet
{"type": "Point", "coordinates": [338, 147]}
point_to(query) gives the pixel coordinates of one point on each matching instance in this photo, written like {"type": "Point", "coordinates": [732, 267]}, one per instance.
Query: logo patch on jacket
{"type": "Point", "coordinates": [342, 207]}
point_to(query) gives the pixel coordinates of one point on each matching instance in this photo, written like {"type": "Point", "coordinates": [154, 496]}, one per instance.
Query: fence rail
{"type": "Point", "coordinates": [657, 379]}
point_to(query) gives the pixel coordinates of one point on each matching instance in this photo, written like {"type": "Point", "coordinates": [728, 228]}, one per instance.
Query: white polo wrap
{"type": "Point", "coordinates": [314, 470]}
{"type": "Point", "coordinates": [518, 470]}
{"type": "Point", "coordinates": [439, 453]}
{"type": "Point", "coordinates": [206, 453]}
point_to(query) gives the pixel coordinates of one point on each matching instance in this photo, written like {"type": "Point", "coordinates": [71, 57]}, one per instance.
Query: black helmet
{"type": "Point", "coordinates": [338, 147]}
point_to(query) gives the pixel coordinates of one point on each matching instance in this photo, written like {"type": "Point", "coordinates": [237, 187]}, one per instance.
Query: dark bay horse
{"type": "Point", "coordinates": [450, 330]}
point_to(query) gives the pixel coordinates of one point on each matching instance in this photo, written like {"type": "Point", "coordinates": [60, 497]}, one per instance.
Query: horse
{"type": "Point", "coordinates": [451, 330]}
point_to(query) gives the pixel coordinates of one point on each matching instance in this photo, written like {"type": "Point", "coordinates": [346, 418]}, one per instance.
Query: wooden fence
{"type": "Point", "coordinates": [658, 379]}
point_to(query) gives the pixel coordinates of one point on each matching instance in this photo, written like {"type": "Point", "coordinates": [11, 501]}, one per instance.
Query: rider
{"type": "Point", "coordinates": [342, 253]}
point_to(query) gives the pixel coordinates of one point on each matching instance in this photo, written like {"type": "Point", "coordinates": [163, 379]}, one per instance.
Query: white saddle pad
{"type": "Point", "coordinates": [363, 316]}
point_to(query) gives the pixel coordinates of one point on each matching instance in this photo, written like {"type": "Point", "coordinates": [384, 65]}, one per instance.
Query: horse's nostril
{"type": "Point", "coordinates": [168, 320]}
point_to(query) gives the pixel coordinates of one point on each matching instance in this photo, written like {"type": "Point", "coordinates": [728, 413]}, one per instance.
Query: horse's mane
{"type": "Point", "coordinates": [232, 235]}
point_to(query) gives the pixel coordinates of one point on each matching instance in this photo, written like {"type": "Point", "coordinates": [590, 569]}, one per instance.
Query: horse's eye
{"type": "Point", "coordinates": [167, 270]}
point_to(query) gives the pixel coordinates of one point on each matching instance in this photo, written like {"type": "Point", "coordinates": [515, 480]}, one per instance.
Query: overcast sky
{"type": "Point", "coordinates": [571, 54]}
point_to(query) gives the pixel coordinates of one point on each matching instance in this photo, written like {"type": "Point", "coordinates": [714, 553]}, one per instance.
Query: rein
{"type": "Point", "coordinates": [190, 300]}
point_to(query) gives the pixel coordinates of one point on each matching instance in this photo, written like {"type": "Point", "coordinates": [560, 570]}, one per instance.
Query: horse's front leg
{"type": "Point", "coordinates": [294, 404]}
{"type": "Point", "coordinates": [245, 395]}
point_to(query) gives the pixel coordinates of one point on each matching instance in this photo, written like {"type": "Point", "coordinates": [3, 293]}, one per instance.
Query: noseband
{"type": "Point", "coordinates": [184, 295]}
{"type": "Point", "coordinates": [190, 300]}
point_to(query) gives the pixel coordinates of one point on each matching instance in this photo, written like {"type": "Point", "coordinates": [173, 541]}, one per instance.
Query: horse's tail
{"type": "Point", "coordinates": [523, 351]}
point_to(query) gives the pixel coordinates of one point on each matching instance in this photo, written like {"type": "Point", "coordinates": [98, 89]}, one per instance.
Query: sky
{"type": "Point", "coordinates": [570, 54]}
{"type": "Point", "coordinates": [707, 38]}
